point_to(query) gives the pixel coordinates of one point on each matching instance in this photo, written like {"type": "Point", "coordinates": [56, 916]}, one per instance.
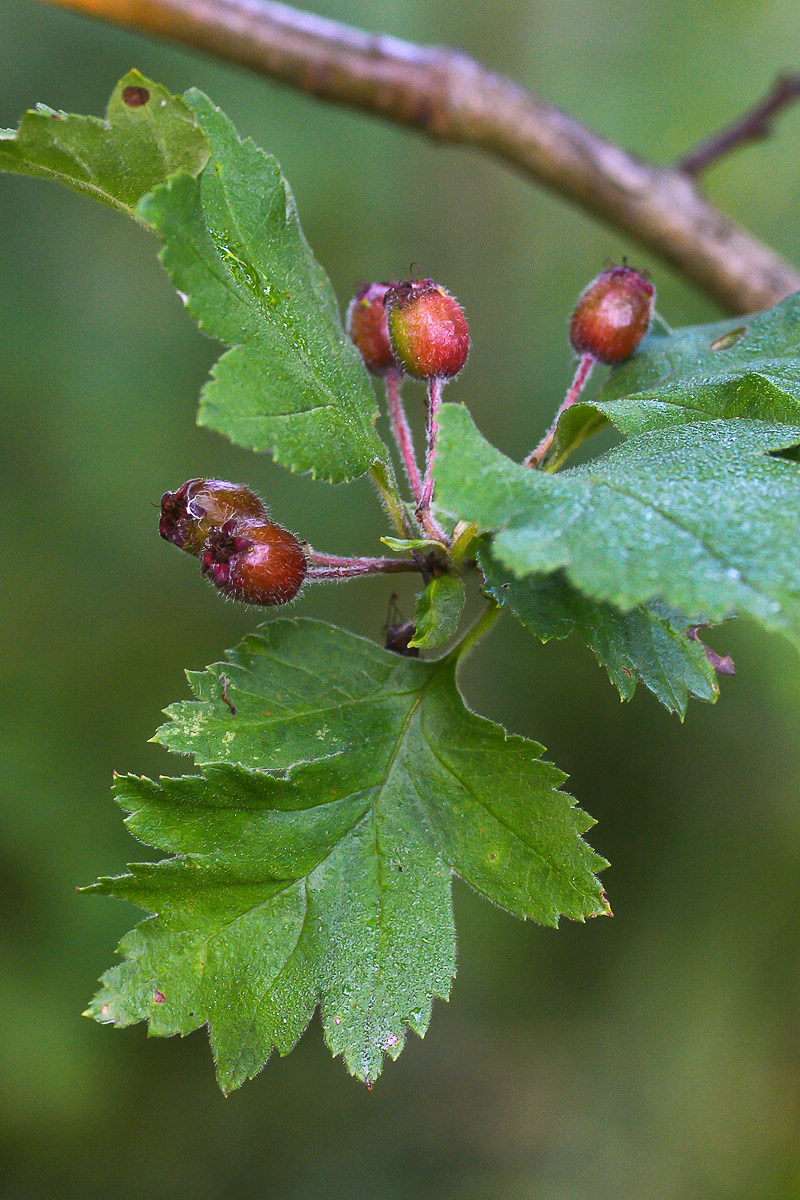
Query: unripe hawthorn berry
{"type": "Point", "coordinates": [612, 315]}
{"type": "Point", "coordinates": [256, 562]}
{"type": "Point", "coordinates": [427, 329]}
{"type": "Point", "coordinates": [366, 324]}
{"type": "Point", "coordinates": [199, 505]}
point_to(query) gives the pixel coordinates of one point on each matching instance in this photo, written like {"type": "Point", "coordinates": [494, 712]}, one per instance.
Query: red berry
{"type": "Point", "coordinates": [612, 315]}
{"type": "Point", "coordinates": [366, 324]}
{"type": "Point", "coordinates": [256, 562]}
{"type": "Point", "coordinates": [427, 328]}
{"type": "Point", "coordinates": [199, 505]}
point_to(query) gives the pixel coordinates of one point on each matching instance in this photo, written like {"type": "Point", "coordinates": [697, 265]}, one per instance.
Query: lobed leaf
{"type": "Point", "coordinates": [649, 644]}
{"type": "Point", "coordinates": [321, 874]}
{"type": "Point", "coordinates": [117, 160]}
{"type": "Point", "coordinates": [701, 517]}
{"type": "Point", "coordinates": [293, 383]}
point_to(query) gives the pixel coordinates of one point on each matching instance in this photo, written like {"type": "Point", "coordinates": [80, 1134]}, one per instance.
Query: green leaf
{"type": "Point", "coordinates": [405, 545]}
{"type": "Point", "coordinates": [649, 644]}
{"type": "Point", "coordinates": [702, 517]}
{"type": "Point", "coordinates": [293, 382]}
{"type": "Point", "coordinates": [321, 876]}
{"type": "Point", "coordinates": [743, 367]}
{"type": "Point", "coordinates": [438, 612]}
{"type": "Point", "coordinates": [576, 425]}
{"type": "Point", "coordinates": [118, 160]}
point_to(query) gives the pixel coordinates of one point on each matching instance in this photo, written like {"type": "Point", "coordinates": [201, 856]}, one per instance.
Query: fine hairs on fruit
{"type": "Point", "coordinates": [255, 562]}
{"type": "Point", "coordinates": [612, 315]}
{"type": "Point", "coordinates": [427, 329]}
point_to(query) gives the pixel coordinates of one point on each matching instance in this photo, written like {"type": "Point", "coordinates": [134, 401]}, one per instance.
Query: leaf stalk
{"type": "Point", "coordinates": [579, 381]}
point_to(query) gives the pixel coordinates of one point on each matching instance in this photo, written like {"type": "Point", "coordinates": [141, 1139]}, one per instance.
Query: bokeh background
{"type": "Point", "coordinates": [652, 1057]}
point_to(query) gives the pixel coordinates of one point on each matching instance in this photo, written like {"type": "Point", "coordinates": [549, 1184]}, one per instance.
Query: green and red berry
{"type": "Point", "coordinates": [612, 315]}
{"type": "Point", "coordinates": [366, 324]}
{"type": "Point", "coordinates": [427, 329]}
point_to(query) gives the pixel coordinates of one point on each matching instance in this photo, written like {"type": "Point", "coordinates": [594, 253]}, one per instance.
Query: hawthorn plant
{"type": "Point", "coordinates": [340, 784]}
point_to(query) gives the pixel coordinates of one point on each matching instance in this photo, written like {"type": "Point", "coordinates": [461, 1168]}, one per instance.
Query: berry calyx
{"type": "Point", "coordinates": [366, 325]}
{"type": "Point", "coordinates": [200, 505]}
{"type": "Point", "coordinates": [612, 315]}
{"type": "Point", "coordinates": [255, 562]}
{"type": "Point", "coordinates": [427, 329]}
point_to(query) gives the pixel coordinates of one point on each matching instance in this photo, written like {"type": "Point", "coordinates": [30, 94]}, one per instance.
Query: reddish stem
{"type": "Point", "coordinates": [334, 566]}
{"type": "Point", "coordinates": [536, 456]}
{"type": "Point", "coordinates": [402, 433]}
{"type": "Point", "coordinates": [431, 434]}
{"type": "Point", "coordinates": [423, 514]}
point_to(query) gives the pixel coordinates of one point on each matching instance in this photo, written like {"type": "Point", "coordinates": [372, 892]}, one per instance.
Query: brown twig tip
{"type": "Point", "coordinates": [751, 126]}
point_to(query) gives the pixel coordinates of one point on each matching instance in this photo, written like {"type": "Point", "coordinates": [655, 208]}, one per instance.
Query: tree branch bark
{"type": "Point", "coordinates": [452, 98]}
{"type": "Point", "coordinates": [753, 125]}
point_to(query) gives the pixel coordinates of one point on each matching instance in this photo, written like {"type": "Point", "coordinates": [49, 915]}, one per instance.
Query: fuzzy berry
{"type": "Point", "coordinates": [199, 505]}
{"type": "Point", "coordinates": [366, 324]}
{"type": "Point", "coordinates": [256, 562]}
{"type": "Point", "coordinates": [427, 329]}
{"type": "Point", "coordinates": [612, 315]}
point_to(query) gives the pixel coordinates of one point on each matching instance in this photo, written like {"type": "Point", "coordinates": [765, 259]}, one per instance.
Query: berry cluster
{"type": "Point", "coordinates": [411, 327]}
{"type": "Point", "coordinates": [404, 328]}
{"type": "Point", "coordinates": [248, 557]}
{"type": "Point", "coordinates": [244, 554]}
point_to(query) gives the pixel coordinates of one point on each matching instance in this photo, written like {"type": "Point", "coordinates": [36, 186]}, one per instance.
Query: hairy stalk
{"type": "Point", "coordinates": [423, 514]}
{"type": "Point", "coordinates": [538, 454]}
{"type": "Point", "coordinates": [431, 434]}
{"type": "Point", "coordinates": [402, 433]}
{"type": "Point", "coordinates": [334, 566]}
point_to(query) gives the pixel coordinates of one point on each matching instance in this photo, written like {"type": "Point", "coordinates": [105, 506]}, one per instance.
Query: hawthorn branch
{"type": "Point", "coordinates": [751, 126]}
{"type": "Point", "coordinates": [452, 98]}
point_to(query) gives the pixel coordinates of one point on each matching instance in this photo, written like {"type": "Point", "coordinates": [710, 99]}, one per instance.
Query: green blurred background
{"type": "Point", "coordinates": [652, 1057]}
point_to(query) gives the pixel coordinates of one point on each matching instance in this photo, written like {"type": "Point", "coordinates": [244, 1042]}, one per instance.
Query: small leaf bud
{"type": "Point", "coordinates": [199, 505]}
{"type": "Point", "coordinates": [366, 324]}
{"type": "Point", "coordinates": [612, 315]}
{"type": "Point", "coordinates": [255, 562]}
{"type": "Point", "coordinates": [427, 328]}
